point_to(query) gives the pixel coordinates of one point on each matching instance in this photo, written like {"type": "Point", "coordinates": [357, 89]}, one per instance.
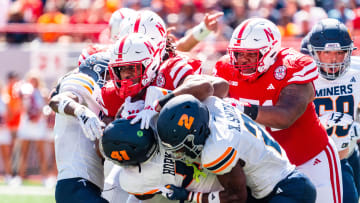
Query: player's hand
{"type": "Point", "coordinates": [211, 20]}
{"type": "Point", "coordinates": [331, 119]}
{"type": "Point", "coordinates": [90, 123]}
{"type": "Point", "coordinates": [354, 131]}
{"type": "Point", "coordinates": [131, 108]}
{"type": "Point", "coordinates": [173, 192]}
{"type": "Point", "coordinates": [145, 116]}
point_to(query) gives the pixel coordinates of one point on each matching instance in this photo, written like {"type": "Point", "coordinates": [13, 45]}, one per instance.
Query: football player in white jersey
{"type": "Point", "coordinates": [77, 126]}
{"type": "Point", "coordinates": [146, 168]}
{"type": "Point", "coordinates": [229, 144]}
{"type": "Point", "coordinates": [337, 96]}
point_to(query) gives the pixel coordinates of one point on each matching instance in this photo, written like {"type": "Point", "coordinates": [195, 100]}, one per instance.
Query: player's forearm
{"type": "Point", "coordinates": [291, 105]}
{"type": "Point", "coordinates": [64, 104]}
{"type": "Point", "coordinates": [275, 117]}
{"type": "Point", "coordinates": [197, 34]}
{"type": "Point", "coordinates": [200, 89]}
{"type": "Point", "coordinates": [186, 43]}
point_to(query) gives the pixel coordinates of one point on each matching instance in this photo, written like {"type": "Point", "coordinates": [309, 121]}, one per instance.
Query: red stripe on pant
{"type": "Point", "coordinates": [332, 161]}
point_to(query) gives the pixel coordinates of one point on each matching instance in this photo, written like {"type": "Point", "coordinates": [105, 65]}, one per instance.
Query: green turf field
{"type": "Point", "coordinates": [28, 192]}
{"type": "Point", "coordinates": [26, 199]}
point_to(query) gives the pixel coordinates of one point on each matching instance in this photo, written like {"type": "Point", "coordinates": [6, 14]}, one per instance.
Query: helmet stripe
{"type": "Point", "coordinates": [121, 46]}
{"type": "Point", "coordinates": [242, 31]}
{"type": "Point", "coordinates": [121, 14]}
{"type": "Point", "coordinates": [137, 23]}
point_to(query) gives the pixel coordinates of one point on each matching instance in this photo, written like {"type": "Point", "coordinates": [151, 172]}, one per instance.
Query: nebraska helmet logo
{"type": "Point", "coordinates": [280, 72]}
{"type": "Point", "coordinates": [160, 80]}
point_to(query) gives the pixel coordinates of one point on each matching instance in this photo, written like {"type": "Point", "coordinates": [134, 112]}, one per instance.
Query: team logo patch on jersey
{"type": "Point", "coordinates": [353, 79]}
{"type": "Point", "coordinates": [233, 83]}
{"type": "Point", "coordinates": [160, 80]}
{"type": "Point", "coordinates": [280, 72]}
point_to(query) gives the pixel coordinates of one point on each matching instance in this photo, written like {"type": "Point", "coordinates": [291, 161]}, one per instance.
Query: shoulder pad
{"type": "Point", "coordinates": [80, 84]}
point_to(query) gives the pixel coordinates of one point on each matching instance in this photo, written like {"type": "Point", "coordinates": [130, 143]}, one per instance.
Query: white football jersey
{"type": "Point", "coordinates": [161, 170]}
{"type": "Point", "coordinates": [340, 95]}
{"type": "Point", "coordinates": [235, 136]}
{"type": "Point", "coordinates": [75, 154]}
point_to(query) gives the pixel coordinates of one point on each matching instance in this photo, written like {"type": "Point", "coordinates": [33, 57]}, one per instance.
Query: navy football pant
{"type": "Point", "coordinates": [77, 190]}
{"type": "Point", "coordinates": [295, 188]}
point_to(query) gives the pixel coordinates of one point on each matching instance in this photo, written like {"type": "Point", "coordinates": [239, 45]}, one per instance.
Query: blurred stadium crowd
{"type": "Point", "coordinates": [294, 17]}
{"type": "Point", "coordinates": [24, 99]}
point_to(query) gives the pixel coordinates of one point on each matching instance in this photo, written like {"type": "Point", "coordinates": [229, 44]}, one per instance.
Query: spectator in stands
{"type": "Point", "coordinates": [13, 101]}
{"type": "Point", "coordinates": [269, 11]}
{"type": "Point", "coordinates": [356, 20]}
{"type": "Point", "coordinates": [5, 140]}
{"type": "Point", "coordinates": [341, 12]}
{"type": "Point", "coordinates": [32, 127]}
{"type": "Point", "coordinates": [286, 25]}
{"type": "Point", "coordinates": [16, 16]}
{"type": "Point", "coordinates": [238, 13]}
{"type": "Point", "coordinates": [32, 9]}
{"type": "Point", "coordinates": [307, 16]}
{"type": "Point", "coordinates": [52, 15]}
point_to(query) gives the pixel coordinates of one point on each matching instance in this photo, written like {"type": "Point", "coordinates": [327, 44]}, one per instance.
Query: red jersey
{"type": "Point", "coordinates": [306, 137]}
{"type": "Point", "coordinates": [111, 101]}
{"type": "Point", "coordinates": [171, 72]}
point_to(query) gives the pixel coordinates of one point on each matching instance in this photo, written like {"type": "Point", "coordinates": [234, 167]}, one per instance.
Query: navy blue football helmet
{"type": "Point", "coordinates": [304, 45]}
{"type": "Point", "coordinates": [330, 35]}
{"type": "Point", "coordinates": [183, 126]}
{"type": "Point", "coordinates": [127, 145]}
{"type": "Point", "coordinates": [96, 66]}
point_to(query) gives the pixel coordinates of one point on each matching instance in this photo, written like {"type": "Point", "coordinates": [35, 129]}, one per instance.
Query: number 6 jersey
{"type": "Point", "coordinates": [339, 95]}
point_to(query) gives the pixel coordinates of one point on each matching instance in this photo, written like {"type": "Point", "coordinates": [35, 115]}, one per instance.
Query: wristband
{"type": "Point", "coordinates": [165, 99]}
{"type": "Point", "coordinates": [195, 197]}
{"type": "Point", "coordinates": [63, 103]}
{"type": "Point", "coordinates": [200, 31]}
{"type": "Point", "coordinates": [251, 111]}
{"type": "Point", "coordinates": [79, 110]}
{"type": "Point", "coordinates": [214, 197]}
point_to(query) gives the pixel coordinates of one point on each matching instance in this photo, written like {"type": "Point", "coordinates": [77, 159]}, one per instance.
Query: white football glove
{"type": "Point", "coordinates": [145, 116]}
{"type": "Point", "coordinates": [90, 123]}
{"type": "Point", "coordinates": [331, 119]}
{"type": "Point", "coordinates": [354, 131]}
{"type": "Point", "coordinates": [131, 108]}
{"type": "Point", "coordinates": [151, 101]}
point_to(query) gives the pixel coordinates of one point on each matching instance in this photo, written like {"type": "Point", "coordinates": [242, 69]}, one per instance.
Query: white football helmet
{"type": "Point", "coordinates": [117, 19]}
{"type": "Point", "coordinates": [133, 58]}
{"type": "Point", "coordinates": [150, 24]}
{"type": "Point", "coordinates": [259, 37]}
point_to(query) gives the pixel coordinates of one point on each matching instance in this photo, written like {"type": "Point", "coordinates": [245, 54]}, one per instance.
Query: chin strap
{"type": "Point", "coordinates": [197, 171]}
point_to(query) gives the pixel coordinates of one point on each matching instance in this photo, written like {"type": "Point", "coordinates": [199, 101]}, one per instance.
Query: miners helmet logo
{"type": "Point", "coordinates": [160, 80]}
{"type": "Point", "coordinates": [280, 72]}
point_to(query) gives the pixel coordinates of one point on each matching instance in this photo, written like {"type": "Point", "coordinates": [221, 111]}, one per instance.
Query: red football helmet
{"type": "Point", "coordinates": [253, 47]}
{"type": "Point", "coordinates": [133, 64]}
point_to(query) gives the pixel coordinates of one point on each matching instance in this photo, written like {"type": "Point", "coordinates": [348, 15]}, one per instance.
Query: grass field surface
{"type": "Point", "coordinates": [28, 192]}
